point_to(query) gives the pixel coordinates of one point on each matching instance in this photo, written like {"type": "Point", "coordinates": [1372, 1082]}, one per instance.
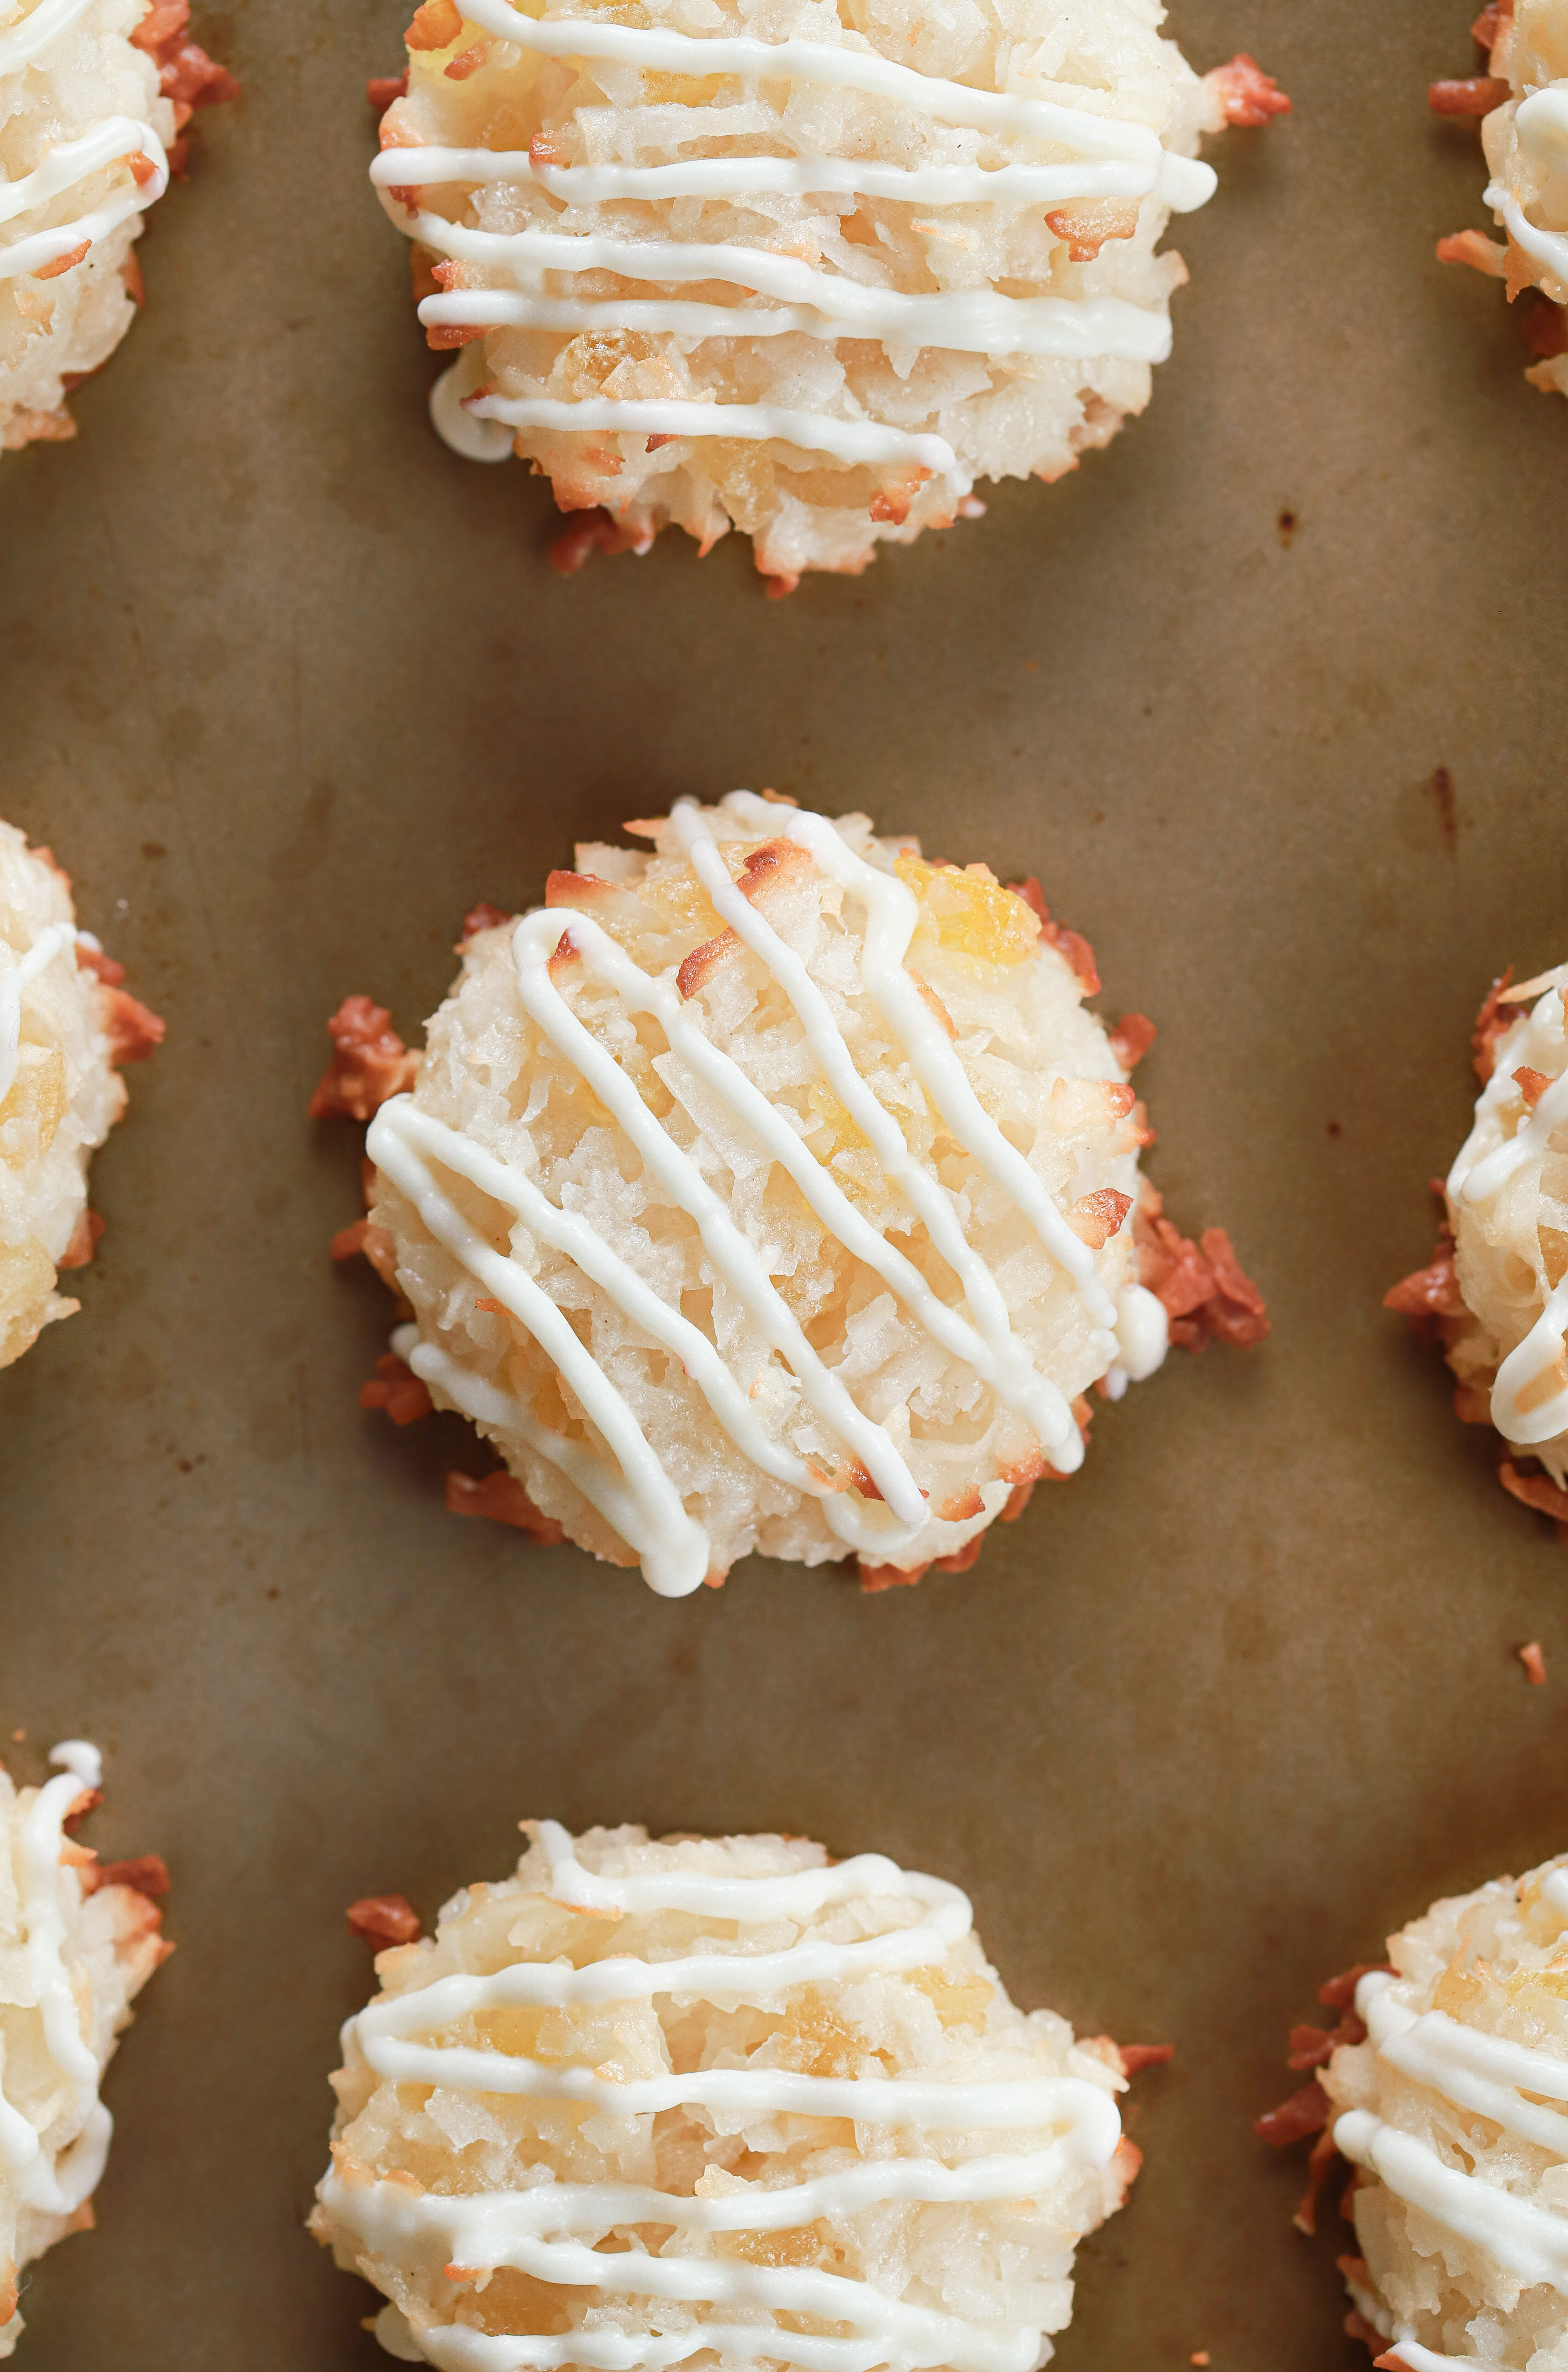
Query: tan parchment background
{"type": "Point", "coordinates": [288, 687]}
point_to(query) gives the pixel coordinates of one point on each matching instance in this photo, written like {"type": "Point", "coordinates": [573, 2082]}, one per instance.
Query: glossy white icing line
{"type": "Point", "coordinates": [705, 1894]}
{"type": "Point", "coordinates": [848, 440]}
{"type": "Point", "coordinates": [114, 141]}
{"type": "Point", "coordinates": [550, 2231]}
{"type": "Point", "coordinates": [1482, 2072]}
{"type": "Point", "coordinates": [842, 67]}
{"type": "Point", "coordinates": [633, 1494]}
{"type": "Point", "coordinates": [890, 917]}
{"type": "Point", "coordinates": [13, 980]}
{"type": "Point", "coordinates": [81, 1758]}
{"type": "Point", "coordinates": [822, 304]}
{"type": "Point", "coordinates": [475, 440]}
{"type": "Point", "coordinates": [1529, 1396]}
{"type": "Point", "coordinates": [23, 44]}
{"type": "Point", "coordinates": [749, 177]}
{"type": "Point", "coordinates": [731, 1254]}
{"type": "Point", "coordinates": [1526, 2240]}
{"type": "Point", "coordinates": [48, 1893]}
{"type": "Point", "coordinates": [989, 1345]}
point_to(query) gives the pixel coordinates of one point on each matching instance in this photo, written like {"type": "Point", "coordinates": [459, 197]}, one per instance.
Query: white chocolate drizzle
{"type": "Point", "coordinates": [24, 44]}
{"type": "Point", "coordinates": [849, 441]}
{"type": "Point", "coordinates": [116, 140]}
{"type": "Point", "coordinates": [548, 2231]}
{"type": "Point", "coordinates": [1486, 2075]}
{"type": "Point", "coordinates": [629, 1486]}
{"type": "Point", "coordinates": [13, 980]}
{"type": "Point", "coordinates": [1108, 157]}
{"type": "Point", "coordinates": [1530, 1395]}
{"type": "Point", "coordinates": [49, 1894]}
{"type": "Point", "coordinates": [814, 303]}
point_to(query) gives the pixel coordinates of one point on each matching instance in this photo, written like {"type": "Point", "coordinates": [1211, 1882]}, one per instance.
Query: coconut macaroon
{"type": "Point", "coordinates": [1522, 104]}
{"type": "Point", "coordinates": [1442, 2087]}
{"type": "Point", "coordinates": [66, 1023]}
{"type": "Point", "coordinates": [1495, 1294]}
{"type": "Point", "coordinates": [805, 271]}
{"type": "Point", "coordinates": [78, 1942]}
{"type": "Point", "coordinates": [93, 96]}
{"type": "Point", "coordinates": [645, 2102]}
{"type": "Point", "coordinates": [776, 1191]}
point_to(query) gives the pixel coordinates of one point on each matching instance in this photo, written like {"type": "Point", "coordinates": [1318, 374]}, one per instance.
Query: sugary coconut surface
{"type": "Point", "coordinates": [770, 1191]}
{"type": "Point", "coordinates": [871, 255]}
{"type": "Point", "coordinates": [1453, 2113]}
{"type": "Point", "coordinates": [64, 1023]}
{"type": "Point", "coordinates": [646, 2101]}
{"type": "Point", "coordinates": [76, 1946]}
{"type": "Point", "coordinates": [92, 101]}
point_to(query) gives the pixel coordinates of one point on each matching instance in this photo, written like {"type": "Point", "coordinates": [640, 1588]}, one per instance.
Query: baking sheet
{"type": "Point", "coordinates": [288, 687]}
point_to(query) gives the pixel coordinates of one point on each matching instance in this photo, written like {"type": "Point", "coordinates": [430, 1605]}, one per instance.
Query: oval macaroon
{"type": "Point", "coordinates": [811, 274]}
{"type": "Point", "coordinates": [645, 2101]}
{"type": "Point", "coordinates": [773, 1191]}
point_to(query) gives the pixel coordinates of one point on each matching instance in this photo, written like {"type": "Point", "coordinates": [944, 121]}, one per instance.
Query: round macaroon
{"type": "Point", "coordinates": [78, 1942]}
{"type": "Point", "coordinates": [806, 273]}
{"type": "Point", "coordinates": [1522, 104]}
{"type": "Point", "coordinates": [643, 2102]}
{"type": "Point", "coordinates": [1495, 1292]}
{"type": "Point", "coordinates": [773, 1189]}
{"type": "Point", "coordinates": [92, 99]}
{"type": "Point", "coordinates": [66, 1023]}
{"type": "Point", "coordinates": [1442, 2090]}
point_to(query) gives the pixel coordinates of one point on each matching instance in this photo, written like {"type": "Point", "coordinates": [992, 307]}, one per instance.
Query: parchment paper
{"type": "Point", "coordinates": [288, 688]}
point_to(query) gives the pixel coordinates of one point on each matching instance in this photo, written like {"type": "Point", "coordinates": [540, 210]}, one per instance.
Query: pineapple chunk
{"type": "Point", "coordinates": [969, 913]}
{"type": "Point", "coordinates": [37, 1101]}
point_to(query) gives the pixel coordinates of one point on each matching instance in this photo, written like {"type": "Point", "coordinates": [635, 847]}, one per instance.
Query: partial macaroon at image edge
{"type": "Point", "coordinates": [95, 99]}
{"type": "Point", "coordinates": [1520, 105]}
{"type": "Point", "coordinates": [67, 1025]}
{"type": "Point", "coordinates": [1495, 1295]}
{"type": "Point", "coordinates": [79, 1940]}
{"type": "Point", "coordinates": [1430, 2109]}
